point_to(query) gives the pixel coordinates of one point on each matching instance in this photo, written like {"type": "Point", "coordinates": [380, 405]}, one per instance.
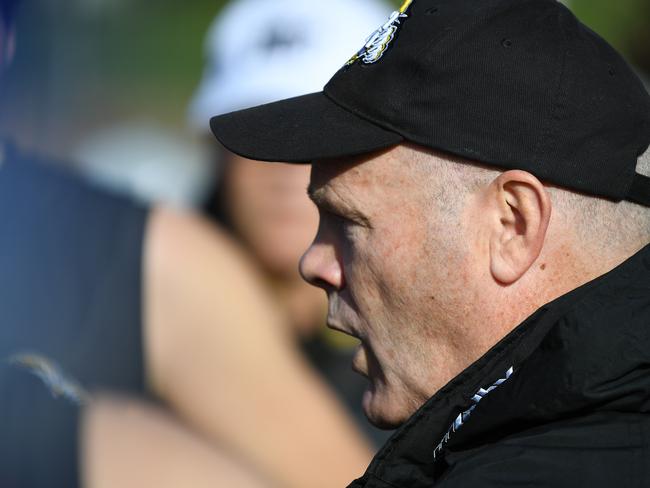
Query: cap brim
{"type": "Point", "coordinates": [299, 130]}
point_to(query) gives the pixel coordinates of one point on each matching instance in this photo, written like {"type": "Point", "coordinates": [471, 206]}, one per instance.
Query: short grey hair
{"type": "Point", "coordinates": [603, 223]}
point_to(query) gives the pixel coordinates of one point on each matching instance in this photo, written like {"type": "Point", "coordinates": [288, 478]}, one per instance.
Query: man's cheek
{"type": "Point", "coordinates": [363, 284]}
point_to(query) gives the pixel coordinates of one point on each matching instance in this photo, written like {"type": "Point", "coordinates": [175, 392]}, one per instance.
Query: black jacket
{"type": "Point", "coordinates": [572, 411]}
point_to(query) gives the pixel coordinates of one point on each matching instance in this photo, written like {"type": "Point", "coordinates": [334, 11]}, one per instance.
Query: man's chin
{"type": "Point", "coordinates": [378, 414]}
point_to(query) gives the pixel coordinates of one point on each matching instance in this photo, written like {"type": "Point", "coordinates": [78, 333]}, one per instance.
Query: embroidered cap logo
{"type": "Point", "coordinates": [379, 40]}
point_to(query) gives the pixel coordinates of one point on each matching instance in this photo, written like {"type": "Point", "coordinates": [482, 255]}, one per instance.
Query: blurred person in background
{"type": "Point", "coordinates": [256, 52]}
{"type": "Point", "coordinates": [259, 52]}
{"type": "Point", "coordinates": [101, 293]}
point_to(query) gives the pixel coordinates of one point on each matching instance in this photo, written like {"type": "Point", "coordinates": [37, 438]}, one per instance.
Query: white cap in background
{"type": "Point", "coordinates": [259, 51]}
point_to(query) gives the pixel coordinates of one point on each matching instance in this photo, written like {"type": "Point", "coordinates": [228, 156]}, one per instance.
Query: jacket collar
{"type": "Point", "coordinates": [562, 365]}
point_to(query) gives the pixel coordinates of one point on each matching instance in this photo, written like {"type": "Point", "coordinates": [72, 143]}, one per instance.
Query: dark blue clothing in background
{"type": "Point", "coordinates": [71, 292]}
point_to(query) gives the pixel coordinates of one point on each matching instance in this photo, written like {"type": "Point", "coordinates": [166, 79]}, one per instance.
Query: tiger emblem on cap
{"type": "Point", "coordinates": [378, 42]}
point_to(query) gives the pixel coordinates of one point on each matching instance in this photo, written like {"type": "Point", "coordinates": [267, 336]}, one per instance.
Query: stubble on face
{"type": "Point", "coordinates": [400, 278]}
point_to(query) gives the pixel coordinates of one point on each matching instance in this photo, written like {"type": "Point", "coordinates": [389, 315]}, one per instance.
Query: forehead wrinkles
{"type": "Point", "coordinates": [338, 182]}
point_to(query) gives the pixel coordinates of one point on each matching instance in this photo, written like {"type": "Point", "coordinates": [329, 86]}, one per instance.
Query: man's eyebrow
{"type": "Point", "coordinates": [316, 195]}
{"type": "Point", "coordinates": [311, 193]}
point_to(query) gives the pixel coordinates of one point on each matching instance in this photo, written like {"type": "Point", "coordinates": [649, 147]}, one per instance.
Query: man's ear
{"type": "Point", "coordinates": [522, 210]}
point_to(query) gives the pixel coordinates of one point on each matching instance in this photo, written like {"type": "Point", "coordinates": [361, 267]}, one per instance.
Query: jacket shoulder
{"type": "Point", "coordinates": [602, 450]}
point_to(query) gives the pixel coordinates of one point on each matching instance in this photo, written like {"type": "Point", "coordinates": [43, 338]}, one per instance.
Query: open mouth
{"type": "Point", "coordinates": [360, 361]}
{"type": "Point", "coordinates": [335, 325]}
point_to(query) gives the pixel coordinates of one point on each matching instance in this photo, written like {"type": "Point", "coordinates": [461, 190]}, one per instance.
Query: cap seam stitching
{"type": "Point", "coordinates": [484, 11]}
{"type": "Point", "coordinates": [545, 137]}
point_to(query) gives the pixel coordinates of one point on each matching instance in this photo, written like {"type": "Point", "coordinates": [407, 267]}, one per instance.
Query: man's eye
{"type": "Point", "coordinates": [347, 226]}
{"type": "Point", "coordinates": [339, 219]}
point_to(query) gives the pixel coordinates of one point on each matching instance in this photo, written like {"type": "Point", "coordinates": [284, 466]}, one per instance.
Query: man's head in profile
{"type": "Point", "coordinates": [430, 260]}
{"type": "Point", "coordinates": [473, 162]}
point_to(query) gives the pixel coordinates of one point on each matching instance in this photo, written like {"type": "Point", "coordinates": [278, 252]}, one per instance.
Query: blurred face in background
{"type": "Point", "coordinates": [269, 209]}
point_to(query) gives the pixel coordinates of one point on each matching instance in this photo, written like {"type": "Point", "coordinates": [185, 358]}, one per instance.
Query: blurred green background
{"type": "Point", "coordinates": [84, 64]}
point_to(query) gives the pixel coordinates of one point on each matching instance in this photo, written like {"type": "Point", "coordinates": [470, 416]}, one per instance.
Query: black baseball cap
{"type": "Point", "coordinates": [508, 83]}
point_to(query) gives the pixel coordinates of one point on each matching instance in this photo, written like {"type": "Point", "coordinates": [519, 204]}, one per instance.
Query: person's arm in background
{"type": "Point", "coordinates": [217, 352]}
{"type": "Point", "coordinates": [128, 444]}
{"type": "Point", "coordinates": [243, 400]}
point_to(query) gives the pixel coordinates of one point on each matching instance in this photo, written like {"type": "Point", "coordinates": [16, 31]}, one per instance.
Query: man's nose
{"type": "Point", "coordinates": [320, 266]}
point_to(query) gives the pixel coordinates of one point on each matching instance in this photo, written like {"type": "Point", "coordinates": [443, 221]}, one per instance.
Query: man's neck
{"type": "Point", "coordinates": [561, 270]}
